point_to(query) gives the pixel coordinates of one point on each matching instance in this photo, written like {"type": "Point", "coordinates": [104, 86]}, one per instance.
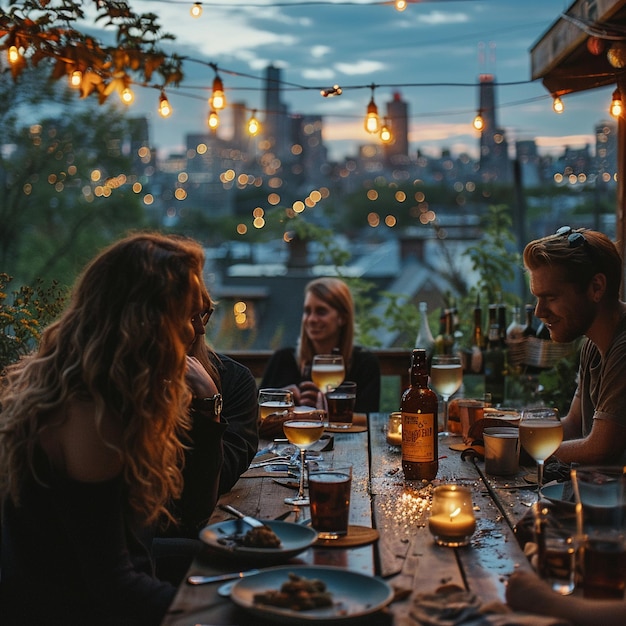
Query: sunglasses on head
{"type": "Point", "coordinates": [574, 238]}
{"type": "Point", "coordinates": [203, 316]}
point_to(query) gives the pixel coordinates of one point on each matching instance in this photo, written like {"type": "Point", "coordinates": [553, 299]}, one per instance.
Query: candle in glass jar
{"type": "Point", "coordinates": [452, 521]}
{"type": "Point", "coordinates": [394, 430]}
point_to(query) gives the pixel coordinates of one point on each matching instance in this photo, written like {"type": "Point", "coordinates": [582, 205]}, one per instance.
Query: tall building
{"type": "Point", "coordinates": [495, 165]}
{"type": "Point", "coordinates": [276, 128]}
{"type": "Point", "coordinates": [397, 152]}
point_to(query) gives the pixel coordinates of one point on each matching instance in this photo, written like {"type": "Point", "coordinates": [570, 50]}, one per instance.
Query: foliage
{"type": "Point", "coordinates": [63, 180]}
{"type": "Point", "coordinates": [24, 313]}
{"type": "Point", "coordinates": [49, 31]}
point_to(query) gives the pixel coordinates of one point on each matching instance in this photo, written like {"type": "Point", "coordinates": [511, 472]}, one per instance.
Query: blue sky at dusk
{"type": "Point", "coordinates": [357, 44]}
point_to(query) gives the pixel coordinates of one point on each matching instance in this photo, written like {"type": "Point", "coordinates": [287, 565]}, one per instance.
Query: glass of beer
{"type": "Point", "coordinates": [540, 434]}
{"type": "Point", "coordinates": [275, 403]}
{"type": "Point", "coordinates": [600, 494]}
{"type": "Point", "coordinates": [341, 405]}
{"type": "Point", "coordinates": [303, 432]}
{"type": "Point", "coordinates": [329, 491]}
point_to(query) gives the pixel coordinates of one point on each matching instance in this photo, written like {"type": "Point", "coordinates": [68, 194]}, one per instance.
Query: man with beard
{"type": "Point", "coordinates": [576, 275]}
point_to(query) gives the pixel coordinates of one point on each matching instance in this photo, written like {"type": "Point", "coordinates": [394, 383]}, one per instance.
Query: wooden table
{"type": "Point", "coordinates": [405, 554]}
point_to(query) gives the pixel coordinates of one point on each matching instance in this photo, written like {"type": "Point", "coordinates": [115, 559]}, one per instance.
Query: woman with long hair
{"type": "Point", "coordinates": [91, 438]}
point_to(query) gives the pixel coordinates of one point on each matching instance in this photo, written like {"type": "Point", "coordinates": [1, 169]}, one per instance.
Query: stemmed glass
{"type": "Point", "coordinates": [327, 373]}
{"type": "Point", "coordinates": [540, 433]}
{"type": "Point", "coordinates": [446, 377]}
{"type": "Point", "coordinates": [303, 432]}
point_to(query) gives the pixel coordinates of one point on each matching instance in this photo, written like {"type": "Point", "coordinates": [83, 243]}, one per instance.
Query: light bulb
{"type": "Point", "coordinates": [385, 133]}
{"type": "Point", "coordinates": [253, 126]}
{"type": "Point", "coordinates": [165, 110]}
{"type": "Point", "coordinates": [196, 9]}
{"type": "Point", "coordinates": [217, 101]}
{"type": "Point", "coordinates": [479, 122]}
{"type": "Point", "coordinates": [557, 105]}
{"type": "Point", "coordinates": [127, 96]}
{"type": "Point", "coordinates": [616, 55]}
{"type": "Point", "coordinates": [401, 5]}
{"type": "Point", "coordinates": [372, 121]}
{"type": "Point", "coordinates": [213, 121]}
{"type": "Point", "coordinates": [13, 54]}
{"type": "Point", "coordinates": [617, 106]}
{"type": "Point", "coordinates": [76, 78]}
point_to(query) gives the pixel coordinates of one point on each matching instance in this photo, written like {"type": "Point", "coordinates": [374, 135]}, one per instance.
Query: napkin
{"type": "Point", "coordinates": [453, 606]}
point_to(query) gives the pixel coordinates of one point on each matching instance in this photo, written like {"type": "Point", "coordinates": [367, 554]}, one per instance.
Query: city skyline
{"type": "Point", "coordinates": [414, 53]}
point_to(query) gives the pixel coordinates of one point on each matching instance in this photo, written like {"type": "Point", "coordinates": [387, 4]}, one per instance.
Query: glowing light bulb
{"type": "Point", "coordinates": [401, 5]}
{"type": "Point", "coordinates": [127, 96]}
{"type": "Point", "coordinates": [213, 121]}
{"type": "Point", "coordinates": [196, 9]}
{"type": "Point", "coordinates": [385, 133]}
{"type": "Point", "coordinates": [557, 105]}
{"type": "Point", "coordinates": [372, 121]}
{"type": "Point", "coordinates": [76, 78]}
{"type": "Point", "coordinates": [217, 101]}
{"type": "Point", "coordinates": [13, 54]}
{"type": "Point", "coordinates": [165, 110]}
{"type": "Point", "coordinates": [253, 126]}
{"type": "Point", "coordinates": [479, 122]}
{"type": "Point", "coordinates": [617, 107]}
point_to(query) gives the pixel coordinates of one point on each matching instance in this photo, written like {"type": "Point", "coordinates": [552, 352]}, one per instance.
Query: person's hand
{"type": "Point", "coordinates": [200, 383]}
{"type": "Point", "coordinates": [526, 591]}
{"type": "Point", "coordinates": [308, 393]}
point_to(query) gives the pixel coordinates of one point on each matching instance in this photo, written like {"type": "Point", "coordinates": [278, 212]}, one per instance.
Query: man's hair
{"type": "Point", "coordinates": [580, 254]}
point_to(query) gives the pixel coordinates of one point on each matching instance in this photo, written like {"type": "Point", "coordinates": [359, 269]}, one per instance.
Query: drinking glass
{"type": "Point", "coordinates": [446, 376]}
{"type": "Point", "coordinates": [327, 373]}
{"type": "Point", "coordinates": [303, 432]}
{"type": "Point", "coordinates": [275, 403]}
{"type": "Point", "coordinates": [540, 434]}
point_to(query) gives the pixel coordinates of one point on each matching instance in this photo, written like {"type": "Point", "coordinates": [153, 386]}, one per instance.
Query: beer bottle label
{"type": "Point", "coordinates": [418, 431]}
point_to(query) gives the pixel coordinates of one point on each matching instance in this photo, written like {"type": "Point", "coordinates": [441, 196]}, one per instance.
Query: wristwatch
{"type": "Point", "coordinates": [208, 405]}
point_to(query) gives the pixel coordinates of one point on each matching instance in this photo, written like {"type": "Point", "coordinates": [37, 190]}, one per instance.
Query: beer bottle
{"type": "Point", "coordinates": [419, 424]}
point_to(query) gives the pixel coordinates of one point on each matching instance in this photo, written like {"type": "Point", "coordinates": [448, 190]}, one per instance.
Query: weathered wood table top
{"type": "Point", "coordinates": [405, 554]}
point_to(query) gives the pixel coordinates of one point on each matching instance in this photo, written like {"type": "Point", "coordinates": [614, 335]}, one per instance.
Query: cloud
{"type": "Point", "coordinates": [436, 18]}
{"type": "Point", "coordinates": [360, 68]}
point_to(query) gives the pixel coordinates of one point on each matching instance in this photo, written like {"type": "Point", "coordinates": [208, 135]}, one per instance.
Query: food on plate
{"type": "Point", "coordinates": [260, 537]}
{"type": "Point", "coordinates": [298, 594]}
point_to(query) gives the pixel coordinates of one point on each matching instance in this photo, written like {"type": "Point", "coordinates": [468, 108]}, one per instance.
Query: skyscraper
{"type": "Point", "coordinates": [397, 152]}
{"type": "Point", "coordinates": [495, 165]}
{"type": "Point", "coordinates": [276, 128]}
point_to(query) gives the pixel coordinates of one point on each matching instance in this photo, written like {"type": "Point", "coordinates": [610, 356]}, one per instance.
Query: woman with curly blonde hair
{"type": "Point", "coordinates": [91, 438]}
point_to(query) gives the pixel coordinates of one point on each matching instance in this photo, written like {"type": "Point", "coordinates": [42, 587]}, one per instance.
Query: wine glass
{"type": "Point", "coordinates": [275, 403]}
{"type": "Point", "coordinates": [446, 376]}
{"type": "Point", "coordinates": [540, 433]}
{"type": "Point", "coordinates": [303, 432]}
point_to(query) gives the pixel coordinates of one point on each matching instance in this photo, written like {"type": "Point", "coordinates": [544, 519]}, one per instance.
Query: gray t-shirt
{"type": "Point", "coordinates": [602, 382]}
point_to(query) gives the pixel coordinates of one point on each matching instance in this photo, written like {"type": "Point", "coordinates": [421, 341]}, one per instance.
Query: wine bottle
{"type": "Point", "coordinates": [419, 406]}
{"type": "Point", "coordinates": [529, 328]}
{"type": "Point", "coordinates": [425, 339]}
{"type": "Point", "coordinates": [475, 364]}
{"type": "Point", "coordinates": [494, 360]}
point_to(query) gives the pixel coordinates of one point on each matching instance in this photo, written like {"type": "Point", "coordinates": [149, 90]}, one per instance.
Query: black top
{"type": "Point", "coordinates": [66, 557]}
{"type": "Point", "coordinates": [282, 370]}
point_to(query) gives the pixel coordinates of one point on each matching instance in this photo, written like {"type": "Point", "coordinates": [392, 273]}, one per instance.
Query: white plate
{"type": "Point", "coordinates": [294, 539]}
{"type": "Point", "coordinates": [354, 595]}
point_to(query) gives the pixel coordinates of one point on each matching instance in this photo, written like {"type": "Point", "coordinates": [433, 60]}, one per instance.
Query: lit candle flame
{"type": "Point", "coordinates": [455, 513]}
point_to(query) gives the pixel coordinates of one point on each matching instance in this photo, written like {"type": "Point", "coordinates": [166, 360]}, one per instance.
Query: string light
{"type": "Point", "coordinates": [335, 90]}
{"type": "Point", "coordinates": [196, 9]}
{"type": "Point", "coordinates": [372, 121]}
{"type": "Point", "coordinates": [213, 121]}
{"type": "Point", "coordinates": [617, 106]}
{"type": "Point", "coordinates": [401, 5]}
{"type": "Point", "coordinates": [127, 96]}
{"type": "Point", "coordinates": [13, 54]}
{"type": "Point", "coordinates": [479, 121]}
{"type": "Point", "coordinates": [76, 79]}
{"type": "Point", "coordinates": [385, 133]}
{"type": "Point", "coordinates": [165, 110]}
{"type": "Point", "coordinates": [217, 101]}
{"type": "Point", "coordinates": [557, 105]}
{"type": "Point", "coordinates": [253, 125]}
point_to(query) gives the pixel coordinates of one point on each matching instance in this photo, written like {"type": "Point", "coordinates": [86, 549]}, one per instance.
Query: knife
{"type": "Point", "coordinates": [251, 521]}
{"type": "Point", "coordinates": [203, 580]}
